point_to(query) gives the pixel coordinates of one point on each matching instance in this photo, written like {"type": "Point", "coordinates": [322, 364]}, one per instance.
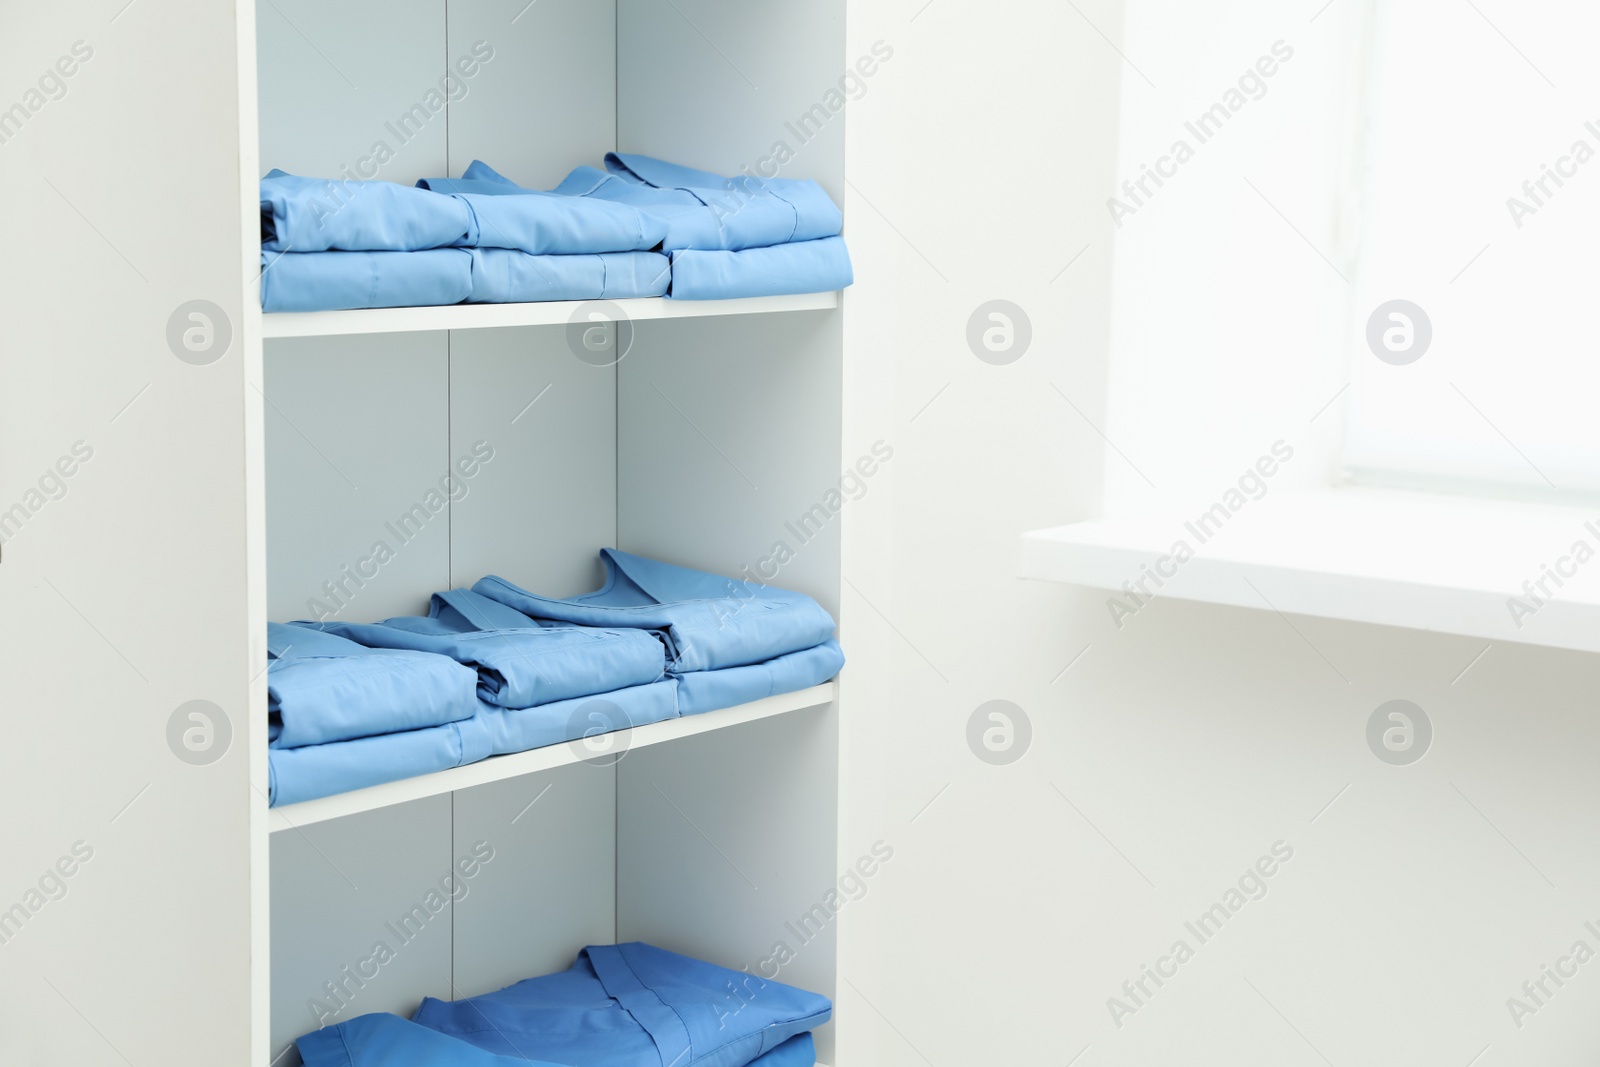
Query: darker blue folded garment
{"type": "Point", "coordinates": [322, 688]}
{"type": "Point", "coordinates": [803, 267]}
{"type": "Point", "coordinates": [337, 281]}
{"type": "Point", "coordinates": [519, 663]}
{"type": "Point", "coordinates": [707, 622]}
{"type": "Point", "coordinates": [749, 212]}
{"type": "Point", "coordinates": [635, 1005]}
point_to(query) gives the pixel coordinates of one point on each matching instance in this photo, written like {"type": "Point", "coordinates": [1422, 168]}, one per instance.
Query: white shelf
{"type": "Point", "coordinates": [496, 768]}
{"type": "Point", "coordinates": [552, 313]}
{"type": "Point", "coordinates": [1426, 562]}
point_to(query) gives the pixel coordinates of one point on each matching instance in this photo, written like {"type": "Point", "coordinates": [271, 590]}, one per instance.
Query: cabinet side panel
{"type": "Point", "coordinates": [126, 896]}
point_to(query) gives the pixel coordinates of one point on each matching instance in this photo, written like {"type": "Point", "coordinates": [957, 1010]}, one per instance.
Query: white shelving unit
{"type": "Point", "coordinates": [718, 424]}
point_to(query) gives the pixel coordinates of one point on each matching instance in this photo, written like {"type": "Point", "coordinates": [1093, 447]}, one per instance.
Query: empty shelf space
{"type": "Point", "coordinates": [488, 316]}
{"type": "Point", "coordinates": [497, 768]}
{"type": "Point", "coordinates": [1497, 570]}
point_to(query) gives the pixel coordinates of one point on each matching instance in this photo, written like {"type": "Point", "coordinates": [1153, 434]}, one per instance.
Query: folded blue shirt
{"type": "Point", "coordinates": [702, 691]}
{"type": "Point", "coordinates": [322, 688]}
{"type": "Point", "coordinates": [318, 214]}
{"type": "Point", "coordinates": [519, 663]}
{"type": "Point", "coordinates": [544, 224]}
{"type": "Point", "coordinates": [748, 212]}
{"type": "Point", "coordinates": [502, 276]}
{"type": "Point", "coordinates": [707, 622]}
{"type": "Point", "coordinates": [634, 1005]}
{"type": "Point", "coordinates": [338, 281]}
{"type": "Point", "coordinates": [297, 774]}
{"type": "Point", "coordinates": [803, 267]}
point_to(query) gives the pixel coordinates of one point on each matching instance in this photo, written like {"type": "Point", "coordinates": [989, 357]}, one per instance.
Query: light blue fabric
{"type": "Point", "coordinates": [336, 281]}
{"type": "Point", "coordinates": [296, 774]}
{"type": "Point", "coordinates": [390, 1041]}
{"type": "Point", "coordinates": [748, 211]}
{"type": "Point", "coordinates": [635, 1005]}
{"type": "Point", "coordinates": [519, 663]}
{"type": "Point", "coordinates": [707, 622]}
{"type": "Point", "coordinates": [702, 691]}
{"type": "Point", "coordinates": [803, 267]}
{"type": "Point", "coordinates": [544, 224]}
{"type": "Point", "coordinates": [322, 688]}
{"type": "Point", "coordinates": [504, 732]}
{"type": "Point", "coordinates": [501, 276]}
{"type": "Point", "coordinates": [317, 215]}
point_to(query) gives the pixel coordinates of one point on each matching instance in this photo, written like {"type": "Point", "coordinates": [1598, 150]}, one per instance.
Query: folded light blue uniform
{"type": "Point", "coordinates": [322, 688]}
{"type": "Point", "coordinates": [519, 663]}
{"type": "Point", "coordinates": [635, 1005]}
{"type": "Point", "coordinates": [738, 212]}
{"type": "Point", "coordinates": [390, 1041]}
{"type": "Point", "coordinates": [337, 281]}
{"type": "Point", "coordinates": [541, 223]}
{"type": "Point", "coordinates": [802, 267]}
{"type": "Point", "coordinates": [503, 731]}
{"type": "Point", "coordinates": [706, 622]}
{"type": "Point", "coordinates": [296, 774]}
{"type": "Point", "coordinates": [701, 691]}
{"type": "Point", "coordinates": [317, 215]}
{"type": "Point", "coordinates": [502, 276]}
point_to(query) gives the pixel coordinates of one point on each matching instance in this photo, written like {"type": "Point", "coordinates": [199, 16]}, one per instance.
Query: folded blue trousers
{"type": "Point", "coordinates": [322, 687]}
{"type": "Point", "coordinates": [707, 622]}
{"type": "Point", "coordinates": [519, 663]}
{"type": "Point", "coordinates": [633, 1005]}
{"type": "Point", "coordinates": [338, 281]}
{"type": "Point", "coordinates": [804, 267]}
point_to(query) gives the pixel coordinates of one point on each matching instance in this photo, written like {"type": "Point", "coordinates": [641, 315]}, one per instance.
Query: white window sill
{"type": "Point", "coordinates": [1441, 563]}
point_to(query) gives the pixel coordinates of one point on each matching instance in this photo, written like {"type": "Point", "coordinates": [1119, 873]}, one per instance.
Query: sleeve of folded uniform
{"type": "Point", "coordinates": [504, 276]}
{"type": "Point", "coordinates": [319, 215]}
{"type": "Point", "coordinates": [322, 688]}
{"type": "Point", "coordinates": [380, 1040]}
{"type": "Point", "coordinates": [702, 691]}
{"type": "Point", "coordinates": [522, 665]}
{"type": "Point", "coordinates": [753, 212]}
{"type": "Point", "coordinates": [547, 224]}
{"type": "Point", "coordinates": [707, 622]}
{"type": "Point", "coordinates": [340, 281]}
{"type": "Point", "coordinates": [297, 774]}
{"type": "Point", "coordinates": [782, 270]}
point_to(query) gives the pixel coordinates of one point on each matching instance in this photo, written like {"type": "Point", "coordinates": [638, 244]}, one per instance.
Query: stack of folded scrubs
{"type": "Point", "coordinates": [496, 669]}
{"type": "Point", "coordinates": [345, 715]}
{"type": "Point", "coordinates": [728, 641]}
{"type": "Point", "coordinates": [627, 1005]}
{"type": "Point", "coordinates": [332, 245]}
{"type": "Point", "coordinates": [538, 684]}
{"type": "Point", "coordinates": [640, 228]}
{"type": "Point", "coordinates": [728, 237]}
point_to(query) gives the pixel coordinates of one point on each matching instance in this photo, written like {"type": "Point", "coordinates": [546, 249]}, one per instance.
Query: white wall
{"type": "Point", "coordinates": [1176, 752]}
